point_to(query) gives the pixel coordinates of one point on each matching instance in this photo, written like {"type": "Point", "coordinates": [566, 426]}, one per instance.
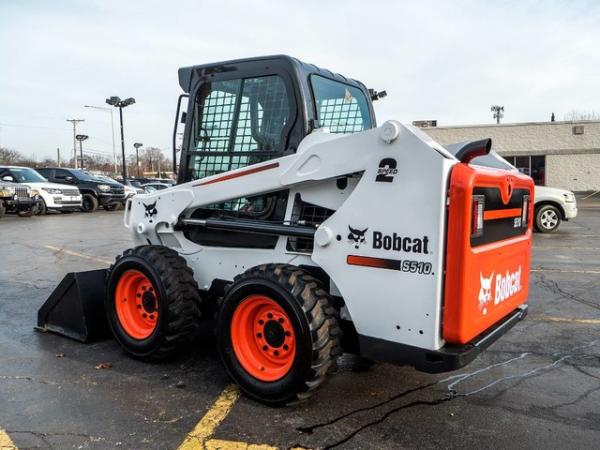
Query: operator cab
{"type": "Point", "coordinates": [247, 111]}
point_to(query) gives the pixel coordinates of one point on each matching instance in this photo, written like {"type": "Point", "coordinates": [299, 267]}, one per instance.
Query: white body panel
{"type": "Point", "coordinates": [562, 197]}
{"type": "Point", "coordinates": [394, 305]}
{"type": "Point", "coordinates": [56, 200]}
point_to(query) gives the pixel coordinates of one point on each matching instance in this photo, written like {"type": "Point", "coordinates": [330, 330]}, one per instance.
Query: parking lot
{"type": "Point", "coordinates": [538, 386]}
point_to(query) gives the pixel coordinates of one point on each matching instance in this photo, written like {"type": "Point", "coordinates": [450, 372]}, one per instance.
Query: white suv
{"type": "Point", "coordinates": [552, 205]}
{"type": "Point", "coordinates": [60, 197]}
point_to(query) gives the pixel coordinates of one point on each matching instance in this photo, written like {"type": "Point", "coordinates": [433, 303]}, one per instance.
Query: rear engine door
{"type": "Point", "coordinates": [488, 249]}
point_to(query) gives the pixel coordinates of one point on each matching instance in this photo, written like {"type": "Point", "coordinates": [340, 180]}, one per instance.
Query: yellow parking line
{"type": "Point", "coordinates": [197, 438]}
{"type": "Point", "coordinates": [566, 320]}
{"type": "Point", "coordinates": [80, 255]}
{"type": "Point", "coordinates": [217, 444]}
{"type": "Point", "coordinates": [6, 442]}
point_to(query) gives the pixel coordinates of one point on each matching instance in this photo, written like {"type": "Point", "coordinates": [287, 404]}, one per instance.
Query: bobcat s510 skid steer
{"type": "Point", "coordinates": [311, 231]}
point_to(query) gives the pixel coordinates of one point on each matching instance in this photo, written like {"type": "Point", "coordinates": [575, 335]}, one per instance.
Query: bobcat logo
{"type": "Point", "coordinates": [485, 293]}
{"type": "Point", "coordinates": [150, 210]}
{"type": "Point", "coordinates": [357, 236]}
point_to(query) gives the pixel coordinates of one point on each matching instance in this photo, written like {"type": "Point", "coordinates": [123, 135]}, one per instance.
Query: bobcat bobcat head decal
{"type": "Point", "coordinates": [150, 210]}
{"type": "Point", "coordinates": [357, 237]}
{"type": "Point", "coordinates": [485, 292]}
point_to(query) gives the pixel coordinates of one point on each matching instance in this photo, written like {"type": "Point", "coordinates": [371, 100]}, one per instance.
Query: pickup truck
{"type": "Point", "coordinates": [95, 191]}
{"type": "Point", "coordinates": [53, 196]}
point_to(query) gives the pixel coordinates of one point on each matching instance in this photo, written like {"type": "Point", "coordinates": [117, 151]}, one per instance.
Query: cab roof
{"type": "Point", "coordinates": [301, 69]}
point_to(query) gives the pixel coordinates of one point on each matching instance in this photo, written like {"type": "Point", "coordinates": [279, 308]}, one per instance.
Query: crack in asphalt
{"type": "Point", "coordinates": [553, 287]}
{"type": "Point", "coordinates": [452, 392]}
{"type": "Point", "coordinates": [42, 436]}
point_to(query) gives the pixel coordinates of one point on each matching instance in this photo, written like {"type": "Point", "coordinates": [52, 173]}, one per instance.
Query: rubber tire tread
{"type": "Point", "coordinates": [322, 318]}
{"type": "Point", "coordinates": [182, 300]}
{"type": "Point", "coordinates": [538, 214]}
{"type": "Point", "coordinates": [94, 201]}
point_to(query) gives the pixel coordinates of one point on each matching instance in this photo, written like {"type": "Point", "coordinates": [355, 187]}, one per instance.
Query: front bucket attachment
{"type": "Point", "coordinates": [76, 307]}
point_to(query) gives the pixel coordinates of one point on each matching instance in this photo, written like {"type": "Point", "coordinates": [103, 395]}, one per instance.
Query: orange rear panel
{"type": "Point", "coordinates": [487, 275]}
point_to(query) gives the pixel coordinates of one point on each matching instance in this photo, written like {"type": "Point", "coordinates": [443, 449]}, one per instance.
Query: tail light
{"type": "Point", "coordinates": [525, 212]}
{"type": "Point", "coordinates": [477, 215]}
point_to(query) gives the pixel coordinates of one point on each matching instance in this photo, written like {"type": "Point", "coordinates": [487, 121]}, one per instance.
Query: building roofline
{"type": "Point", "coordinates": [518, 124]}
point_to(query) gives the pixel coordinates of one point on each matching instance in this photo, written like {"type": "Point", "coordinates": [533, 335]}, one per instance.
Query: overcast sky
{"type": "Point", "coordinates": [447, 60]}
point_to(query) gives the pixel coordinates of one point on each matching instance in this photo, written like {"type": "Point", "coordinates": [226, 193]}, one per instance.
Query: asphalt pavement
{"type": "Point", "coordinates": [538, 386]}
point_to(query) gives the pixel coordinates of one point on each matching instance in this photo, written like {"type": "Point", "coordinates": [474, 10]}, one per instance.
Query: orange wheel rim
{"type": "Point", "coordinates": [136, 302]}
{"type": "Point", "coordinates": [263, 338]}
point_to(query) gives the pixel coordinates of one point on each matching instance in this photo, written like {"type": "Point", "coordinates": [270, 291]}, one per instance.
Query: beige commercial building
{"type": "Point", "coordinates": [558, 154]}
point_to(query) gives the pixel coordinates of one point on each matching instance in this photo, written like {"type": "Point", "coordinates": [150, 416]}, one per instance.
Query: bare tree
{"type": "Point", "coordinates": [10, 156]}
{"type": "Point", "coordinates": [576, 114]}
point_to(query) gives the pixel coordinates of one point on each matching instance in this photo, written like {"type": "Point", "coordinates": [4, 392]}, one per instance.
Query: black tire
{"type": "Point", "coordinates": [547, 219]}
{"type": "Point", "coordinates": [178, 301]}
{"type": "Point", "coordinates": [89, 203]}
{"type": "Point", "coordinates": [40, 208]}
{"type": "Point", "coordinates": [315, 324]}
{"type": "Point", "coordinates": [111, 206]}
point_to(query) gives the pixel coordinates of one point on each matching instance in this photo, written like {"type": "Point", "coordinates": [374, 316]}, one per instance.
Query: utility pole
{"type": "Point", "coordinates": [75, 122]}
{"type": "Point", "coordinates": [58, 156]}
{"type": "Point", "coordinates": [498, 112]}
{"type": "Point", "coordinates": [137, 146]}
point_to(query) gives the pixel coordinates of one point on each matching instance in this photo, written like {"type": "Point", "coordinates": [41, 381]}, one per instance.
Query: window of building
{"type": "Point", "coordinates": [534, 166]}
{"type": "Point", "coordinates": [340, 107]}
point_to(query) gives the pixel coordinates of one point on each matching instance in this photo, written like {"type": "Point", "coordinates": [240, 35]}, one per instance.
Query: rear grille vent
{"type": "Point", "coordinates": [306, 214]}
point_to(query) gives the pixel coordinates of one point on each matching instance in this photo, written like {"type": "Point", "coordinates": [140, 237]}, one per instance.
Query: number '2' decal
{"type": "Point", "coordinates": [387, 170]}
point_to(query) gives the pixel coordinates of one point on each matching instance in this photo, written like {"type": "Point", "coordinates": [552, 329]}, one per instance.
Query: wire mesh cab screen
{"type": "Point", "coordinates": [238, 123]}
{"type": "Point", "coordinates": [340, 107]}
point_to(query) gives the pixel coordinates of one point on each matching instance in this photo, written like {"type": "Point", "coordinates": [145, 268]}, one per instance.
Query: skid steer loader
{"type": "Point", "coordinates": [311, 231]}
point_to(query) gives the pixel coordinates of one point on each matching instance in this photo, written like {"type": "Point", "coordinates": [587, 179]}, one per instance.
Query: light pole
{"type": "Point", "coordinates": [75, 122]}
{"type": "Point", "coordinates": [81, 138]}
{"type": "Point", "coordinates": [112, 129]}
{"type": "Point", "coordinates": [118, 103]}
{"type": "Point", "coordinates": [137, 146]}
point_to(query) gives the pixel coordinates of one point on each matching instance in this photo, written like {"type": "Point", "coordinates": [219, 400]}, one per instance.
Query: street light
{"type": "Point", "coordinates": [81, 138]}
{"type": "Point", "coordinates": [118, 103]}
{"type": "Point", "coordinates": [112, 129]}
{"type": "Point", "coordinates": [137, 146]}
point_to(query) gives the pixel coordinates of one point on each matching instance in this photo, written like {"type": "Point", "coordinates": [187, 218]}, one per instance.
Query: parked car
{"type": "Point", "coordinates": [144, 180]}
{"type": "Point", "coordinates": [59, 197]}
{"type": "Point", "coordinates": [18, 198]}
{"type": "Point", "coordinates": [130, 189]}
{"type": "Point", "coordinates": [552, 205]}
{"type": "Point", "coordinates": [153, 187]}
{"type": "Point", "coordinates": [95, 192]}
